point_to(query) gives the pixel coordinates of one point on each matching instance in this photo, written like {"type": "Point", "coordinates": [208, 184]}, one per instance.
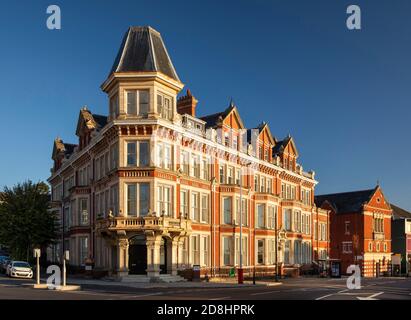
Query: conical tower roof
{"type": "Point", "coordinates": [143, 50]}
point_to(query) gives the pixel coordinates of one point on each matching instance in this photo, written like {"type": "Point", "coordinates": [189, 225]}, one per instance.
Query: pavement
{"type": "Point", "coordinates": [289, 289]}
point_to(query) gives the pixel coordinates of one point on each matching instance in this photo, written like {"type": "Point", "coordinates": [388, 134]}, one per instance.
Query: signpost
{"type": "Point", "coordinates": [37, 254]}
{"type": "Point", "coordinates": [66, 257]}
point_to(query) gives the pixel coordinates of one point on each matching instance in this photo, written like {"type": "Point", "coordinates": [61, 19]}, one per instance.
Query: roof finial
{"type": "Point", "coordinates": [188, 93]}
{"type": "Point", "coordinates": [232, 104]}
{"type": "Point", "coordinates": [378, 182]}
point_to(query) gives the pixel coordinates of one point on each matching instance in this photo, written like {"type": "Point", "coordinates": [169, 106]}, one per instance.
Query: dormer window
{"type": "Point", "coordinates": [165, 106]}
{"type": "Point", "coordinates": [235, 142]}
{"type": "Point", "coordinates": [137, 102]}
{"type": "Point", "coordinates": [226, 140]}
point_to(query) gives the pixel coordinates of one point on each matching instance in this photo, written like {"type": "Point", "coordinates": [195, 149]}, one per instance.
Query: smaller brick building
{"type": "Point", "coordinates": [401, 236]}
{"type": "Point", "coordinates": [360, 229]}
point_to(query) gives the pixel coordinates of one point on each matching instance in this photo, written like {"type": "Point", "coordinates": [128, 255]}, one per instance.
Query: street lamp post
{"type": "Point", "coordinates": [240, 269]}
{"type": "Point", "coordinates": [276, 246]}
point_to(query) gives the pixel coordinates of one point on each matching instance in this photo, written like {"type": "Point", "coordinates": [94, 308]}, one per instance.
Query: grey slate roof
{"type": "Point", "coordinates": [213, 119]}
{"type": "Point", "coordinates": [143, 49]}
{"type": "Point", "coordinates": [69, 148]}
{"type": "Point", "coordinates": [346, 202]}
{"type": "Point", "coordinates": [399, 213]}
{"type": "Point", "coordinates": [100, 119]}
{"type": "Point", "coordinates": [279, 147]}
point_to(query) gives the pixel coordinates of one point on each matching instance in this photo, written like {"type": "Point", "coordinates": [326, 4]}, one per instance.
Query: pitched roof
{"type": "Point", "coordinates": [92, 121]}
{"type": "Point", "coordinates": [399, 213]}
{"type": "Point", "coordinates": [346, 202]}
{"type": "Point", "coordinates": [143, 49]}
{"type": "Point", "coordinates": [256, 131]}
{"type": "Point", "coordinates": [280, 145]}
{"type": "Point", "coordinates": [59, 146]}
{"type": "Point", "coordinates": [69, 149]}
{"type": "Point", "coordinates": [213, 120]}
{"type": "Point", "coordinates": [100, 119]}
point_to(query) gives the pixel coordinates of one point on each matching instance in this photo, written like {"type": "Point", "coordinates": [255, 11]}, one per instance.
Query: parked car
{"type": "Point", "coordinates": [19, 269]}
{"type": "Point", "coordinates": [3, 263]}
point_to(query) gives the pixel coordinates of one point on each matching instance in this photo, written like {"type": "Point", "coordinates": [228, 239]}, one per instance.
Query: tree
{"type": "Point", "coordinates": [25, 221]}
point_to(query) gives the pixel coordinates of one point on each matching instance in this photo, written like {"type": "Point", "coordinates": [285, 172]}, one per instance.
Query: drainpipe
{"type": "Point", "coordinates": [213, 225]}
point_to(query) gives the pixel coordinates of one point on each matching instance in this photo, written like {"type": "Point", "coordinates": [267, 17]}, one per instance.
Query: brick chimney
{"type": "Point", "coordinates": [187, 104]}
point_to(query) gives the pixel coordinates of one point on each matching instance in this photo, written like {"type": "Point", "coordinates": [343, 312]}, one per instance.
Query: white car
{"type": "Point", "coordinates": [19, 269]}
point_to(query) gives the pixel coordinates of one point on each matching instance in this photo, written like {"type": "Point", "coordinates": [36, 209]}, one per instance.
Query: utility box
{"type": "Point", "coordinates": [196, 273]}
{"type": "Point", "coordinates": [335, 269]}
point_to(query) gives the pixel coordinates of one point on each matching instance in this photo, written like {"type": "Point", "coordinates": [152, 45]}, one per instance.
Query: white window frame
{"type": "Point", "coordinates": [162, 204]}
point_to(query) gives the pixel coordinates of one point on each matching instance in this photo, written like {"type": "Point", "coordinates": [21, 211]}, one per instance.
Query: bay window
{"type": "Point", "coordinates": [272, 213]}
{"type": "Point", "coordinates": [165, 106]}
{"type": "Point", "coordinates": [164, 157]}
{"type": "Point", "coordinates": [195, 249]}
{"type": "Point", "coordinates": [260, 251]}
{"type": "Point", "coordinates": [137, 102]}
{"type": "Point", "coordinates": [83, 250]}
{"type": "Point", "coordinates": [227, 210]}
{"type": "Point", "coordinates": [204, 208]}
{"type": "Point", "coordinates": [83, 211]}
{"type": "Point", "coordinates": [287, 213]}
{"type": "Point", "coordinates": [164, 200]}
{"type": "Point", "coordinates": [140, 159]}
{"type": "Point", "coordinates": [228, 251]}
{"type": "Point", "coordinates": [138, 199]}
{"type": "Point", "coordinates": [261, 215]}
{"type": "Point", "coordinates": [195, 206]}
{"type": "Point", "coordinates": [184, 202]}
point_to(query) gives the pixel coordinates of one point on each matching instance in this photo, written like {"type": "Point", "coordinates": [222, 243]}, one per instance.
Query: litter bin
{"type": "Point", "coordinates": [196, 272]}
{"type": "Point", "coordinates": [89, 264]}
{"type": "Point", "coordinates": [231, 274]}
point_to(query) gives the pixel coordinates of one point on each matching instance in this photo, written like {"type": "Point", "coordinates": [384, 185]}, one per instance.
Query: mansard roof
{"type": "Point", "coordinates": [346, 202]}
{"type": "Point", "coordinates": [399, 213]}
{"type": "Point", "coordinates": [143, 50]}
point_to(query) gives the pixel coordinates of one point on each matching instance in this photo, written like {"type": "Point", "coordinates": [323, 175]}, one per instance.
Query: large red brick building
{"type": "Point", "coordinates": [360, 229]}
{"type": "Point", "coordinates": [154, 188]}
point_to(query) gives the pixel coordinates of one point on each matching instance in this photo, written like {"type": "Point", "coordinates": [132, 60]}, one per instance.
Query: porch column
{"type": "Point", "coordinates": [153, 257]}
{"type": "Point", "coordinates": [180, 257]}
{"type": "Point", "coordinates": [122, 257]}
{"type": "Point", "coordinates": [174, 256]}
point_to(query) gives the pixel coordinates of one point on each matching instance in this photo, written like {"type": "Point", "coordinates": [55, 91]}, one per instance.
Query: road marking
{"type": "Point", "coordinates": [221, 298]}
{"type": "Point", "coordinates": [331, 294]}
{"type": "Point", "coordinates": [147, 295]}
{"type": "Point", "coordinates": [372, 297]}
{"type": "Point", "coordinates": [267, 292]}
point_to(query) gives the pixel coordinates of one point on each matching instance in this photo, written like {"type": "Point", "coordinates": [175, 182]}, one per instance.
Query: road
{"type": "Point", "coordinates": [291, 289]}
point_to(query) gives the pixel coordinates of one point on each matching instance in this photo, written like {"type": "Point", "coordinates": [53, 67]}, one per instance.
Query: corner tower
{"type": "Point", "coordinates": [142, 82]}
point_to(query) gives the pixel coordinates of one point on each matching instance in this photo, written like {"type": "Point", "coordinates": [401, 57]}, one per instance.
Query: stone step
{"type": "Point", "coordinates": [167, 278]}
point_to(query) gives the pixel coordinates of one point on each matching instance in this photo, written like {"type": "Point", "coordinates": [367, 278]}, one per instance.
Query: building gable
{"type": "Point", "coordinates": [265, 135]}
{"type": "Point", "coordinates": [232, 119]}
{"type": "Point", "coordinates": [378, 200]}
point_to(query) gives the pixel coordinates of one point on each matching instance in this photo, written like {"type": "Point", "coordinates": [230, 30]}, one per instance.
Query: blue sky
{"type": "Point", "coordinates": [343, 95]}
